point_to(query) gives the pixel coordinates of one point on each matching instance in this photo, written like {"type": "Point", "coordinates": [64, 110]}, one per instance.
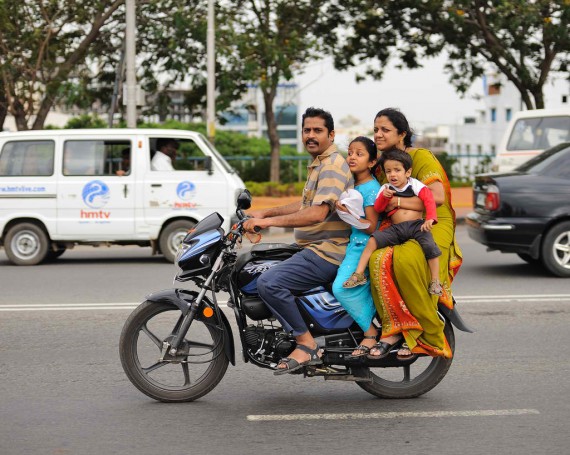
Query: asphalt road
{"type": "Point", "coordinates": [63, 391]}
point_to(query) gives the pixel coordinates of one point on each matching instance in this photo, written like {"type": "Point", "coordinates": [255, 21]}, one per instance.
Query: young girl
{"type": "Point", "coordinates": [406, 224]}
{"type": "Point", "coordinates": [358, 301]}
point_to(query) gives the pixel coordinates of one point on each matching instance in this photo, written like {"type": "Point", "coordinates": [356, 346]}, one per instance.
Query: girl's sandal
{"type": "Point", "coordinates": [361, 349]}
{"type": "Point", "coordinates": [356, 279]}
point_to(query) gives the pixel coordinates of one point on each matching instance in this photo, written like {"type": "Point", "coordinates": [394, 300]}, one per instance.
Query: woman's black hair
{"type": "Point", "coordinates": [399, 121]}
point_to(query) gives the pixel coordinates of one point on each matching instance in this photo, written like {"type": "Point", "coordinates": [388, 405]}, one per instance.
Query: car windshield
{"type": "Point", "coordinates": [217, 154]}
{"type": "Point", "coordinates": [554, 162]}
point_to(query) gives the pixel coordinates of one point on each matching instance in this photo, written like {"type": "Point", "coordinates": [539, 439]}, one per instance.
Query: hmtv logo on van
{"type": "Point", "coordinates": [186, 190]}
{"type": "Point", "coordinates": [96, 194]}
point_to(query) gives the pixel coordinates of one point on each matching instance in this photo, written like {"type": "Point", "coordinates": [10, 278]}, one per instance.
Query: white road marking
{"type": "Point", "coordinates": [223, 303]}
{"type": "Point", "coordinates": [393, 415]}
{"type": "Point", "coordinates": [513, 298]}
{"type": "Point", "coordinates": [74, 306]}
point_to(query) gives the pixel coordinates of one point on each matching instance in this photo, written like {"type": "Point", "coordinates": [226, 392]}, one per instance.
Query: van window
{"type": "Point", "coordinates": [27, 158]}
{"type": "Point", "coordinates": [539, 133]}
{"type": "Point", "coordinates": [96, 157]}
{"type": "Point", "coordinates": [186, 153]}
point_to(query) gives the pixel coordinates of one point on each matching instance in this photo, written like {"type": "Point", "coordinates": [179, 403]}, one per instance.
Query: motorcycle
{"type": "Point", "coordinates": [176, 345]}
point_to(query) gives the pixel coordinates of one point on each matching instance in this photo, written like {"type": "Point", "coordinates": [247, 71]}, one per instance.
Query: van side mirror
{"type": "Point", "coordinates": [244, 200]}
{"type": "Point", "coordinates": [208, 165]}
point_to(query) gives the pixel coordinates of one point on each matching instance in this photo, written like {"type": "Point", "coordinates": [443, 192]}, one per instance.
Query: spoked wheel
{"type": "Point", "coordinates": [413, 378]}
{"type": "Point", "coordinates": [197, 368]}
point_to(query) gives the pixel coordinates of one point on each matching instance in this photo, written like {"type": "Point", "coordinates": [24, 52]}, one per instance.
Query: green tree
{"type": "Point", "coordinates": [44, 44]}
{"type": "Point", "coordinates": [524, 40]}
{"type": "Point", "coordinates": [86, 121]}
{"type": "Point", "coordinates": [264, 42]}
{"type": "Point", "coordinates": [448, 162]}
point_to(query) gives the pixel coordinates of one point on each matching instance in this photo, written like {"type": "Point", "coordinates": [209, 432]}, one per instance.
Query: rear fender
{"type": "Point", "coordinates": [455, 318]}
{"type": "Point", "coordinates": [182, 299]}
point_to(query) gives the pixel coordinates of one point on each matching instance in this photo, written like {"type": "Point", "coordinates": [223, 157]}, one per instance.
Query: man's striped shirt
{"type": "Point", "coordinates": [328, 176]}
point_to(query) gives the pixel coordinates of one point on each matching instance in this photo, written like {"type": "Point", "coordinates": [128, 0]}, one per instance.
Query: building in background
{"type": "Point", "coordinates": [247, 115]}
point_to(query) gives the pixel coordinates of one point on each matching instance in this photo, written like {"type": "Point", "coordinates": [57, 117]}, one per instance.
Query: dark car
{"type": "Point", "coordinates": [527, 211]}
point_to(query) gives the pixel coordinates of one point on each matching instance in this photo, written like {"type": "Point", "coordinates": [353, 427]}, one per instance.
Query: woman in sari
{"type": "Point", "coordinates": [400, 275]}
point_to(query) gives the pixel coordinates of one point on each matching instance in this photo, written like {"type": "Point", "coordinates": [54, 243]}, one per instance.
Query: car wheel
{"type": "Point", "coordinates": [556, 249]}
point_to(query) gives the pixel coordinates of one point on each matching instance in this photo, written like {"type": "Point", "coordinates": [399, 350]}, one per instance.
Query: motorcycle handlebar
{"type": "Point", "coordinates": [243, 216]}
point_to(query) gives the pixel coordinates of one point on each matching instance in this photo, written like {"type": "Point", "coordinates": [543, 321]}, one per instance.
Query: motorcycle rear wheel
{"type": "Point", "coordinates": [188, 376]}
{"type": "Point", "coordinates": [413, 379]}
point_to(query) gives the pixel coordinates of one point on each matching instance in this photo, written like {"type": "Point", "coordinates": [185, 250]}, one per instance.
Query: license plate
{"type": "Point", "coordinates": [481, 199]}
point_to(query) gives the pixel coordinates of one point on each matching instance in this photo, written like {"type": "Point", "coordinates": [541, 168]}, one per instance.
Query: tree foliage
{"type": "Point", "coordinates": [264, 42]}
{"type": "Point", "coordinates": [171, 44]}
{"type": "Point", "coordinates": [524, 40]}
{"type": "Point", "coordinates": [44, 45]}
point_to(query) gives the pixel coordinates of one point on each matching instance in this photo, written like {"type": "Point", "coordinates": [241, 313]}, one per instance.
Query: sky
{"type": "Point", "coordinates": [424, 95]}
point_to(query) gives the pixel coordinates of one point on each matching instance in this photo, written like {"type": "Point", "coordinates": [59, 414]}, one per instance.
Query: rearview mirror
{"type": "Point", "coordinates": [208, 165]}
{"type": "Point", "coordinates": [244, 200]}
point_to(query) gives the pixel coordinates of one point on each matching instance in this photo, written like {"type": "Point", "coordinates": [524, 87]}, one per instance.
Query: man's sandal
{"type": "Point", "coordinates": [362, 349]}
{"type": "Point", "coordinates": [293, 365]}
{"type": "Point", "coordinates": [383, 348]}
{"type": "Point", "coordinates": [409, 356]}
{"type": "Point", "coordinates": [356, 279]}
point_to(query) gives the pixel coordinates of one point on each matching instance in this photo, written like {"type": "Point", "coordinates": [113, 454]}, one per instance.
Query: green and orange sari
{"type": "Point", "coordinates": [400, 275]}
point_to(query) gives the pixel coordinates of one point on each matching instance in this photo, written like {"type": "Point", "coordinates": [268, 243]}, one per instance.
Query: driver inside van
{"type": "Point", "coordinates": [165, 155]}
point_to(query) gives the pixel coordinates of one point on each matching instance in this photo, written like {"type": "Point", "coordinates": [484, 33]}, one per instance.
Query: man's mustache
{"type": "Point", "coordinates": [311, 141]}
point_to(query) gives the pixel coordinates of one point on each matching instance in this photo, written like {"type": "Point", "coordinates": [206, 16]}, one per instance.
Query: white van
{"type": "Point", "coordinates": [61, 188]}
{"type": "Point", "coordinates": [530, 133]}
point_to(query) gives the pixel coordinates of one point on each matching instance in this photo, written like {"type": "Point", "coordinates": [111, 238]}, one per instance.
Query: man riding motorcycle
{"type": "Point", "coordinates": [314, 217]}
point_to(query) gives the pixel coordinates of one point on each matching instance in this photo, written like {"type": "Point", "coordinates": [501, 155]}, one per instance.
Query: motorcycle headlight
{"type": "Point", "coordinates": [181, 250]}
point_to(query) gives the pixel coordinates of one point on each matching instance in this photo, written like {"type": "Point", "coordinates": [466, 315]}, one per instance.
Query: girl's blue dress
{"type": "Point", "coordinates": [357, 301]}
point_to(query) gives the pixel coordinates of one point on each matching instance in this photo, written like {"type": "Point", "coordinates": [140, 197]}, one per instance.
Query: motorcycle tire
{"type": "Point", "coordinates": [413, 378]}
{"type": "Point", "coordinates": [187, 377]}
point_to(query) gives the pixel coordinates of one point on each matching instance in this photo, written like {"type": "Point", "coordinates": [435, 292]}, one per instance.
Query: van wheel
{"type": "Point", "coordinates": [556, 249]}
{"type": "Point", "coordinates": [26, 244]}
{"type": "Point", "coordinates": [172, 236]}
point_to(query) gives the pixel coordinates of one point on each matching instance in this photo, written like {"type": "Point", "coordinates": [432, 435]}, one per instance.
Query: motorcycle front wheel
{"type": "Point", "coordinates": [195, 370]}
{"type": "Point", "coordinates": [411, 379]}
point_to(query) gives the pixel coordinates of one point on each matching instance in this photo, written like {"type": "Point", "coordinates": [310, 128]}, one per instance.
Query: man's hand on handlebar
{"type": "Point", "coordinates": [255, 214]}
{"type": "Point", "coordinates": [254, 225]}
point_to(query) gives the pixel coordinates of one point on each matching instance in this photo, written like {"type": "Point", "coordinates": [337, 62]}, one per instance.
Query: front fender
{"type": "Point", "coordinates": [183, 299]}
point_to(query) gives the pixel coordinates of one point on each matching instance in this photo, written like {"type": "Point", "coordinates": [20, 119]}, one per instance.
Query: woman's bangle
{"type": "Point", "coordinates": [398, 201]}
